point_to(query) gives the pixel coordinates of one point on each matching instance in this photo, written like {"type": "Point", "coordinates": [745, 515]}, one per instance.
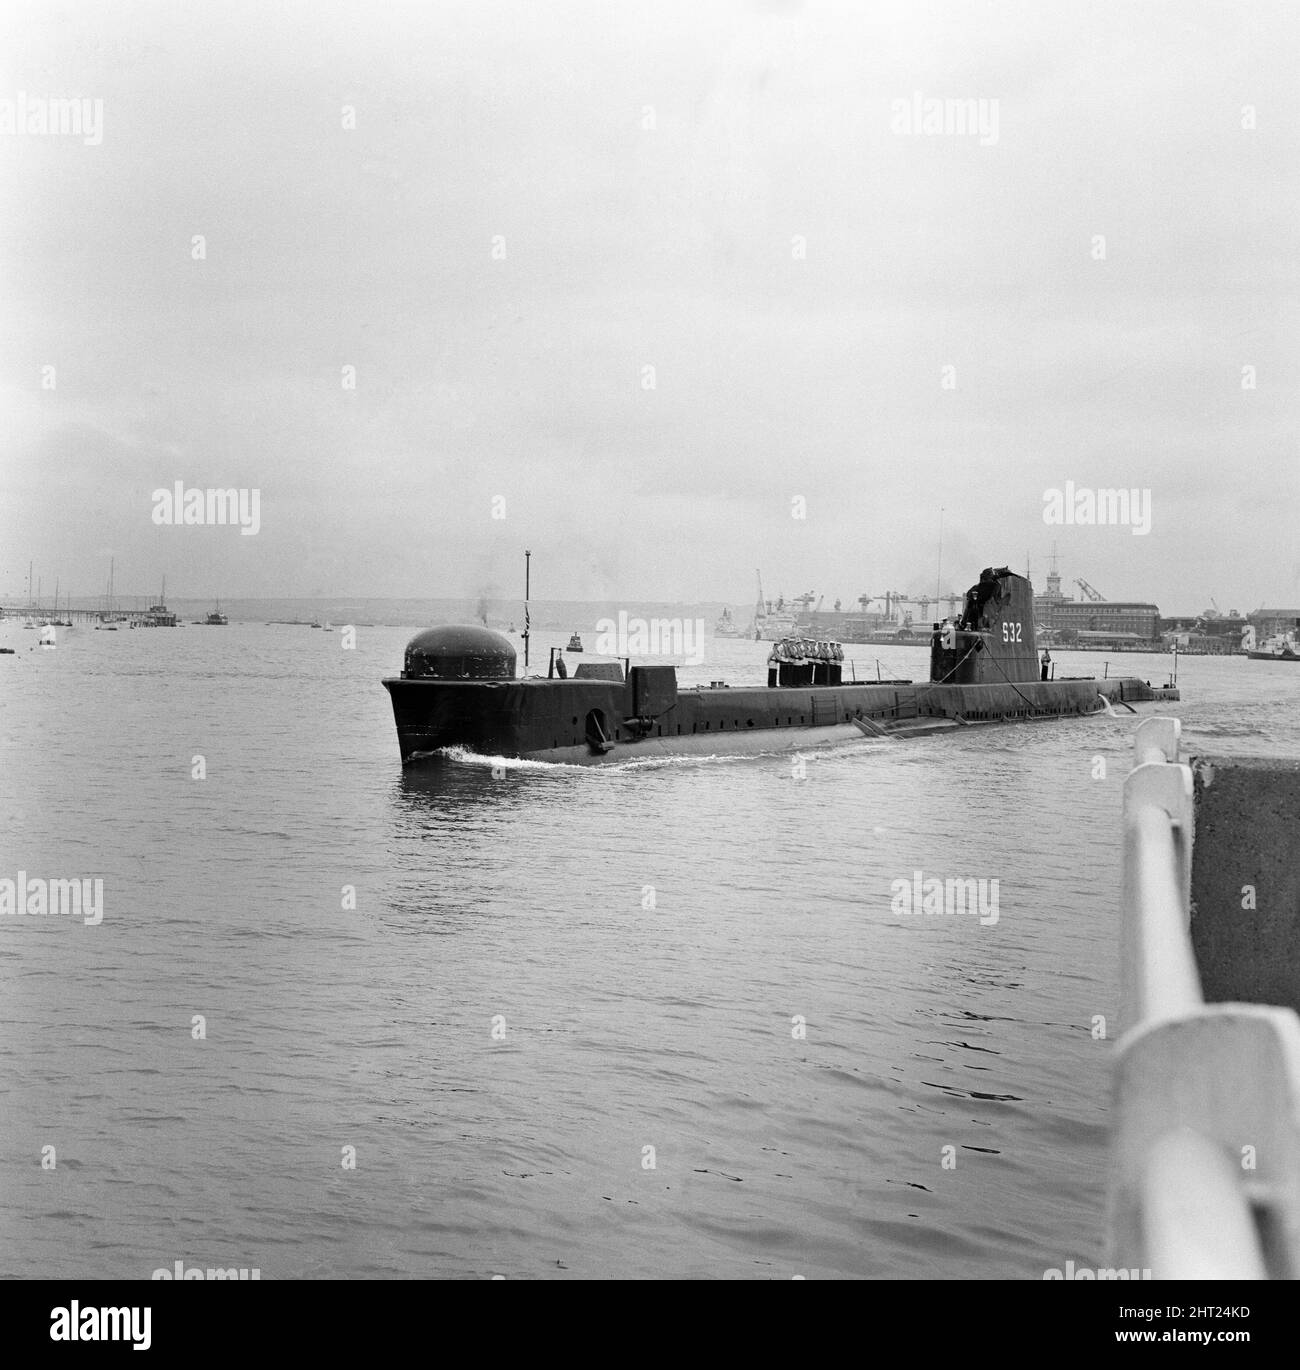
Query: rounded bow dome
{"type": "Point", "coordinates": [459, 652]}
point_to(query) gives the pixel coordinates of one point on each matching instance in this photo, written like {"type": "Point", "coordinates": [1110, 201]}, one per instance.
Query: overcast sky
{"type": "Point", "coordinates": [719, 191]}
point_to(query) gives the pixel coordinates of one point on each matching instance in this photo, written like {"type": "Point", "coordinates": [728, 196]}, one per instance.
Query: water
{"type": "Point", "coordinates": [520, 901]}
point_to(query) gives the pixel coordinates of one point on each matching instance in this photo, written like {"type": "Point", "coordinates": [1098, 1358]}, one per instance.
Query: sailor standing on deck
{"type": "Point", "coordinates": [1047, 663]}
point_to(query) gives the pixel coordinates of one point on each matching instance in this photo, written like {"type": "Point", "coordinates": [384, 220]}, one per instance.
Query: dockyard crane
{"type": "Point", "coordinates": [892, 599]}
{"type": "Point", "coordinates": [764, 606]}
{"type": "Point", "coordinates": [1095, 595]}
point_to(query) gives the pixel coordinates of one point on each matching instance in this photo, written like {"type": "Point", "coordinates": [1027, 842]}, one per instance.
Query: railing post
{"type": "Point", "coordinates": [1158, 974]}
{"type": "Point", "coordinates": [1156, 739]}
{"type": "Point", "coordinates": [1197, 1087]}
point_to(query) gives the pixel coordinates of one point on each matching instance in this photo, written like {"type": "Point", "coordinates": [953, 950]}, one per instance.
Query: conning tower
{"type": "Point", "coordinates": [992, 642]}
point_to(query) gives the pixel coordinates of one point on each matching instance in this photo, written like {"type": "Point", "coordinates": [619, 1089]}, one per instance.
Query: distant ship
{"type": "Point", "coordinates": [726, 626]}
{"type": "Point", "coordinates": [1279, 647]}
{"type": "Point", "coordinates": [216, 619]}
{"type": "Point", "coordinates": [459, 689]}
{"type": "Point", "coordinates": [575, 644]}
{"type": "Point", "coordinates": [772, 622]}
{"type": "Point", "coordinates": [159, 615]}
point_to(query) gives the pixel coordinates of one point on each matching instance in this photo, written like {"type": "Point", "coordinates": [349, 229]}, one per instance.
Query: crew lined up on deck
{"type": "Point", "coordinates": [800, 650]}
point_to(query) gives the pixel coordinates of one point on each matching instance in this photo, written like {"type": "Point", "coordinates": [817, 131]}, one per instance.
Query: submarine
{"type": "Point", "coordinates": [459, 689]}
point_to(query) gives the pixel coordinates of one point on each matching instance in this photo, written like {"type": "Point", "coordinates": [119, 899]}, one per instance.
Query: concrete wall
{"type": "Point", "coordinates": [1247, 835]}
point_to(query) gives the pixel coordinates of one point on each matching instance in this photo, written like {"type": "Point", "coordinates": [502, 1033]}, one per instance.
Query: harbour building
{"type": "Point", "coordinates": [1094, 620]}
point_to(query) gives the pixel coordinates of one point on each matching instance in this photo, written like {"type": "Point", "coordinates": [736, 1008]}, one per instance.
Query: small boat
{"type": "Point", "coordinates": [159, 615]}
{"type": "Point", "coordinates": [329, 627]}
{"type": "Point", "coordinates": [316, 623]}
{"type": "Point", "coordinates": [216, 619]}
{"type": "Point", "coordinates": [575, 644]}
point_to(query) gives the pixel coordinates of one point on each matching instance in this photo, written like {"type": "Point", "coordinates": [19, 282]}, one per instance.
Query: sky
{"type": "Point", "coordinates": [669, 294]}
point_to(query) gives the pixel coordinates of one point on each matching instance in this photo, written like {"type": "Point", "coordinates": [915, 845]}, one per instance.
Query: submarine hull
{"type": "Point", "coordinates": [552, 720]}
{"type": "Point", "coordinates": [459, 689]}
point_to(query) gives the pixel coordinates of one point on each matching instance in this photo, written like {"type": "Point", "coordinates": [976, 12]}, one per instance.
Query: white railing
{"type": "Point", "coordinates": [1205, 1174]}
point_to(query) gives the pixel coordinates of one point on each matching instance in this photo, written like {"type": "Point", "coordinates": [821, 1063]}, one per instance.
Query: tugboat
{"type": "Point", "coordinates": [216, 619]}
{"type": "Point", "coordinates": [575, 644]}
{"type": "Point", "coordinates": [459, 688]}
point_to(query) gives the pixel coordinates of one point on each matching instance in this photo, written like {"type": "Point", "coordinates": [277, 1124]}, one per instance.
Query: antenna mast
{"type": "Point", "coordinates": [527, 589]}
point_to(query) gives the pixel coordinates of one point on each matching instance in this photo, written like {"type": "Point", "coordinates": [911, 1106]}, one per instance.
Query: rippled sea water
{"type": "Point", "coordinates": [798, 1055]}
